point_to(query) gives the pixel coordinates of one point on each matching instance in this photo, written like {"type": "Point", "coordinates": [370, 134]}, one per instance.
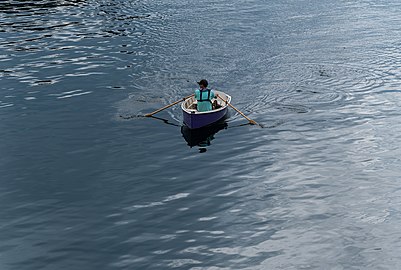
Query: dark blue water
{"type": "Point", "coordinates": [86, 183]}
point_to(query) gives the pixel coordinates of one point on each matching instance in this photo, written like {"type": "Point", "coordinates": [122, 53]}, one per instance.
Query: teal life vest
{"type": "Point", "coordinates": [201, 99]}
{"type": "Point", "coordinates": [204, 102]}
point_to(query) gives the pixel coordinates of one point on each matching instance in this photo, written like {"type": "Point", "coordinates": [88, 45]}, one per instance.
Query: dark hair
{"type": "Point", "coordinates": [203, 82]}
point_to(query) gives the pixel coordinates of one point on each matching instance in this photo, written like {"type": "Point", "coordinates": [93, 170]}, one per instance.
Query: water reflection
{"type": "Point", "coordinates": [202, 137]}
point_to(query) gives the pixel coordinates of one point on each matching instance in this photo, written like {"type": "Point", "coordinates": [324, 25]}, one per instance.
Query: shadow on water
{"type": "Point", "coordinates": [202, 137]}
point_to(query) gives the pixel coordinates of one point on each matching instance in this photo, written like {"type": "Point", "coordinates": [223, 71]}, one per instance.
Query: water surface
{"type": "Point", "coordinates": [88, 184]}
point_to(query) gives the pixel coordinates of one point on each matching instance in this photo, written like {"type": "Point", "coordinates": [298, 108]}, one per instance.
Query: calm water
{"type": "Point", "coordinates": [85, 183]}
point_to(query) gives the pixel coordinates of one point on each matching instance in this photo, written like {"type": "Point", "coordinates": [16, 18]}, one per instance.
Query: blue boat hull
{"type": "Point", "coordinates": [194, 120]}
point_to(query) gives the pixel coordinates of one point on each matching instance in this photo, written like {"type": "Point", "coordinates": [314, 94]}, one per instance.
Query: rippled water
{"type": "Point", "coordinates": [86, 183]}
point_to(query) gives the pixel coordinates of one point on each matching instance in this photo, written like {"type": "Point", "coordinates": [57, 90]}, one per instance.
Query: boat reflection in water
{"type": "Point", "coordinates": [202, 137]}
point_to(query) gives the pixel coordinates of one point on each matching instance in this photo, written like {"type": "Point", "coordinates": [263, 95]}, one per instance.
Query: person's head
{"type": "Point", "coordinates": [203, 84]}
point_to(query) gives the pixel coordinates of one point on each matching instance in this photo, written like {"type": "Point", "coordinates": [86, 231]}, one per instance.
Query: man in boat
{"type": "Point", "coordinates": [204, 97]}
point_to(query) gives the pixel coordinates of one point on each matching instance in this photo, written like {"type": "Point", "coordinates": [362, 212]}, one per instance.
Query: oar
{"type": "Point", "coordinates": [167, 106]}
{"type": "Point", "coordinates": [252, 122]}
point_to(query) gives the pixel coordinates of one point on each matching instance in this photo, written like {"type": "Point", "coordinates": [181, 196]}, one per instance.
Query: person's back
{"type": "Point", "coordinates": [204, 97]}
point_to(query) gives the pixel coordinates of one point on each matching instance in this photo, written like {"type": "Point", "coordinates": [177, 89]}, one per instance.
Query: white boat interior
{"type": "Point", "coordinates": [189, 105]}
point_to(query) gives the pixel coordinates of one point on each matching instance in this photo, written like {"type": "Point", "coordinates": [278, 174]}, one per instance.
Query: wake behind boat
{"type": "Point", "coordinates": [195, 119]}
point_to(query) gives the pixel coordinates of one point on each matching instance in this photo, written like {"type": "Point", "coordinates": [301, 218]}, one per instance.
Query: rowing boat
{"type": "Point", "coordinates": [194, 119]}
